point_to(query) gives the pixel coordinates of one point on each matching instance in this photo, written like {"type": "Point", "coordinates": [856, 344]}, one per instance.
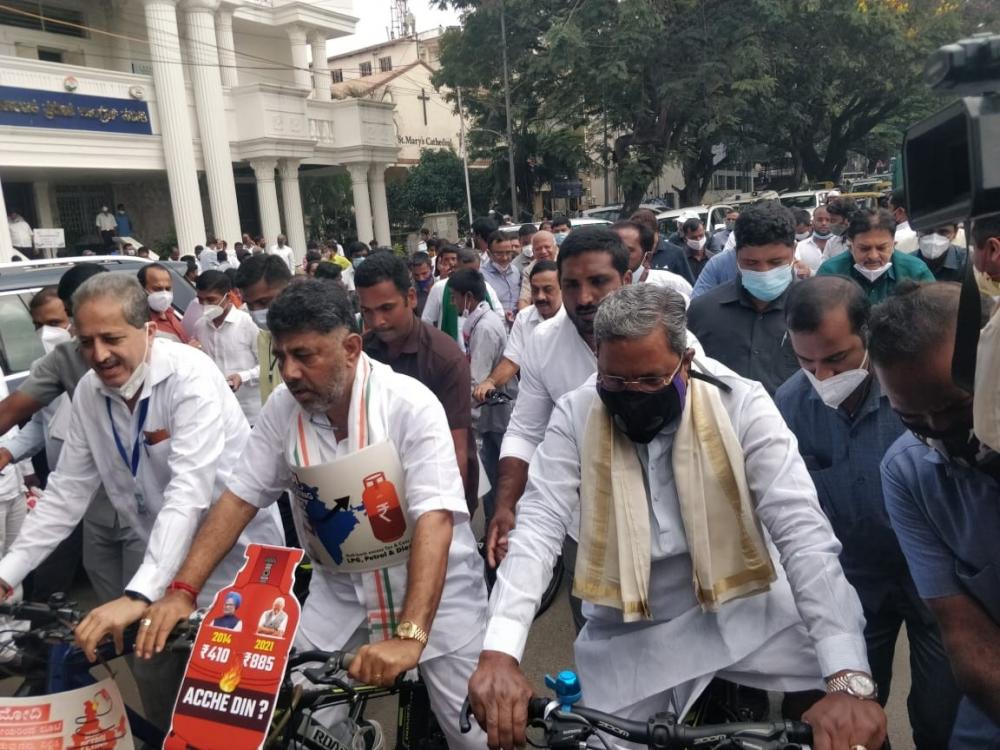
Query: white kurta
{"type": "Point", "coordinates": [668, 280]}
{"type": "Point", "coordinates": [233, 348]}
{"type": "Point", "coordinates": [808, 252]}
{"type": "Point", "coordinates": [418, 428]}
{"type": "Point", "coordinates": [527, 320]}
{"type": "Point", "coordinates": [193, 433]}
{"type": "Point", "coordinates": [808, 625]}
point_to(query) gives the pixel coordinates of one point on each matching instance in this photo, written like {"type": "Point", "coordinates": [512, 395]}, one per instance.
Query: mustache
{"type": "Point", "coordinates": [586, 309]}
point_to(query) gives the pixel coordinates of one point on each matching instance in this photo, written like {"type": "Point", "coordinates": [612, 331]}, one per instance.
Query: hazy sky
{"type": "Point", "coordinates": [374, 20]}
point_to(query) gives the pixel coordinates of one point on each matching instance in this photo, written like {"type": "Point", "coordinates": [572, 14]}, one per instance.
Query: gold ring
{"type": "Point", "coordinates": [858, 747]}
{"type": "Point", "coordinates": [145, 622]}
{"type": "Point", "coordinates": [378, 677]}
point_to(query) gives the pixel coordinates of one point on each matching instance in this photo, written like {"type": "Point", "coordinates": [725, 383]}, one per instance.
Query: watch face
{"type": "Point", "coordinates": [405, 629]}
{"type": "Point", "coordinates": [861, 684]}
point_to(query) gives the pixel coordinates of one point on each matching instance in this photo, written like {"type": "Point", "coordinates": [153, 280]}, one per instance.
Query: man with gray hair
{"type": "Point", "coordinates": [683, 464]}
{"type": "Point", "coordinates": [154, 422]}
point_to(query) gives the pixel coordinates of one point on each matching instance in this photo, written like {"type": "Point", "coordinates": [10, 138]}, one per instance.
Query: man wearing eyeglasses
{"type": "Point", "coordinates": [703, 552]}
{"type": "Point", "coordinates": [501, 273]}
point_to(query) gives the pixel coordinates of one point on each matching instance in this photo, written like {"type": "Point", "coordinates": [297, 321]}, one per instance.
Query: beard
{"type": "Point", "coordinates": [320, 399]}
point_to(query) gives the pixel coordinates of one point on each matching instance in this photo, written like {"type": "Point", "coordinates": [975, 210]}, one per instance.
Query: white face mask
{"type": "Point", "coordinates": [160, 301]}
{"type": "Point", "coordinates": [933, 246]}
{"type": "Point", "coordinates": [212, 312]}
{"type": "Point", "coordinates": [836, 389]}
{"type": "Point", "coordinates": [133, 385]}
{"type": "Point", "coordinates": [872, 274]}
{"type": "Point", "coordinates": [800, 236]}
{"type": "Point", "coordinates": [696, 244]}
{"type": "Point", "coordinates": [260, 318]}
{"type": "Point", "coordinates": [52, 336]}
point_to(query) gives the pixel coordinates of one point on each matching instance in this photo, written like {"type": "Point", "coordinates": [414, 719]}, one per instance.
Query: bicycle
{"type": "Point", "coordinates": [47, 659]}
{"type": "Point", "coordinates": [566, 725]}
{"type": "Point", "coordinates": [298, 722]}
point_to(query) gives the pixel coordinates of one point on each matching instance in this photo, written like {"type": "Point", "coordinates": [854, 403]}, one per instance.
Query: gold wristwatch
{"type": "Point", "coordinates": [858, 684]}
{"type": "Point", "coordinates": [410, 631]}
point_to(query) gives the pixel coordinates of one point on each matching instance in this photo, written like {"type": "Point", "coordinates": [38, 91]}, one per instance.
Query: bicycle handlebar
{"type": "Point", "coordinates": [39, 614]}
{"type": "Point", "coordinates": [660, 731]}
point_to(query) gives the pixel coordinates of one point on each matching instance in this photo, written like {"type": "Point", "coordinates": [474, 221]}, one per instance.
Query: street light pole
{"type": "Point", "coordinates": [465, 153]}
{"type": "Point", "coordinates": [506, 96]}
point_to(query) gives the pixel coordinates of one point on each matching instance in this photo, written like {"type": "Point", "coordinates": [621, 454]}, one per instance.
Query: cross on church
{"type": "Point", "coordinates": [423, 100]}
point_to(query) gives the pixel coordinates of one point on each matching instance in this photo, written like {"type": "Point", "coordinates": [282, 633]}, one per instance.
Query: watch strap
{"type": "Point", "coordinates": [412, 632]}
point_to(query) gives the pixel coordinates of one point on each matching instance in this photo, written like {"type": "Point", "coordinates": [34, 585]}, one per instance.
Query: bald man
{"type": "Point", "coordinates": [543, 247]}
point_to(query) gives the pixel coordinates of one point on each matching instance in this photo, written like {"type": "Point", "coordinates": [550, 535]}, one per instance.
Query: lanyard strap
{"type": "Point", "coordinates": [133, 463]}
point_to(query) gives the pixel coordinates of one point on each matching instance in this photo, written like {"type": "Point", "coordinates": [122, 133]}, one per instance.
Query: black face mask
{"type": "Point", "coordinates": [960, 445]}
{"type": "Point", "coordinates": [642, 415]}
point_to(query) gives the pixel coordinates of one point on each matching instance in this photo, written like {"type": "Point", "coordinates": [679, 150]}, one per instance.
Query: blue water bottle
{"type": "Point", "coordinates": [567, 689]}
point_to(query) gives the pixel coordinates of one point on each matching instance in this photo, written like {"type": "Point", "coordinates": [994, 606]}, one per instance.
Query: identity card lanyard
{"type": "Point", "coordinates": [133, 462]}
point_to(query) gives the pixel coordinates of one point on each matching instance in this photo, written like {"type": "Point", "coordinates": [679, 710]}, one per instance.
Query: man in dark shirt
{"type": "Point", "coordinates": [844, 424]}
{"type": "Point", "coordinates": [742, 323]}
{"type": "Point", "coordinates": [396, 336]}
{"type": "Point", "coordinates": [666, 256]}
{"type": "Point", "coordinates": [423, 278]}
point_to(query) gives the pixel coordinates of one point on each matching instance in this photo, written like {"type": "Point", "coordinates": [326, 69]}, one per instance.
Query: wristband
{"type": "Point", "coordinates": [137, 597]}
{"type": "Point", "coordinates": [186, 588]}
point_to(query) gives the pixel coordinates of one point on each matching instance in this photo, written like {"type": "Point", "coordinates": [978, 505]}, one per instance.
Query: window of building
{"type": "Point", "coordinates": [338, 75]}
{"type": "Point", "coordinates": [384, 64]}
{"type": "Point", "coordinates": [50, 55]}
{"type": "Point", "coordinates": [366, 69]}
{"type": "Point", "coordinates": [41, 17]}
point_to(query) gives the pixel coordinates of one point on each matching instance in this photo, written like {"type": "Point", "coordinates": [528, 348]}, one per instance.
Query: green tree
{"type": "Point", "coordinates": [663, 74]}
{"type": "Point", "coordinates": [548, 146]}
{"type": "Point", "coordinates": [435, 184]}
{"type": "Point", "coordinates": [328, 205]}
{"type": "Point", "coordinates": [845, 69]}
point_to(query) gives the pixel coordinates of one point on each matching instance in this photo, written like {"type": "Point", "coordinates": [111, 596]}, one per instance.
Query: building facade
{"type": "Point", "coordinates": [198, 115]}
{"type": "Point", "coordinates": [398, 72]}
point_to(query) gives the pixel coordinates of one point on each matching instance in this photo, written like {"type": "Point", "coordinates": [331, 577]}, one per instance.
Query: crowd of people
{"type": "Point", "coordinates": [746, 445]}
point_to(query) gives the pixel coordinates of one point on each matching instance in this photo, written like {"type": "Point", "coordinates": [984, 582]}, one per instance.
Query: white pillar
{"type": "Point", "coordinates": [175, 125]}
{"type": "Point", "coordinates": [295, 229]}
{"type": "Point", "coordinates": [6, 246]}
{"type": "Point", "coordinates": [320, 66]}
{"type": "Point", "coordinates": [211, 124]}
{"type": "Point", "coordinates": [267, 198]}
{"type": "Point", "coordinates": [297, 38]}
{"type": "Point", "coordinates": [362, 202]}
{"type": "Point", "coordinates": [43, 205]}
{"type": "Point", "coordinates": [380, 207]}
{"type": "Point", "coordinates": [227, 48]}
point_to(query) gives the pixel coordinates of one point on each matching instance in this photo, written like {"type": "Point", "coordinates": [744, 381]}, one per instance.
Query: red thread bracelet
{"type": "Point", "coordinates": [186, 588]}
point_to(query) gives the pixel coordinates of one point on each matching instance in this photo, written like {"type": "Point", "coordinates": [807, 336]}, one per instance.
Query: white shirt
{"type": "Point", "coordinates": [419, 430]}
{"type": "Point", "coordinates": [286, 254]}
{"type": "Point", "coordinates": [668, 280]}
{"type": "Point", "coordinates": [198, 432]}
{"type": "Point", "coordinates": [106, 221]}
{"type": "Point", "coordinates": [556, 361]}
{"type": "Point", "coordinates": [434, 306]}
{"type": "Point", "coordinates": [835, 246]}
{"type": "Point", "coordinates": [527, 320]}
{"type": "Point", "coordinates": [233, 348]}
{"type": "Point", "coordinates": [20, 233]}
{"type": "Point", "coordinates": [208, 260]}
{"type": "Point", "coordinates": [906, 238]}
{"type": "Point", "coordinates": [621, 664]}
{"type": "Point", "coordinates": [808, 252]}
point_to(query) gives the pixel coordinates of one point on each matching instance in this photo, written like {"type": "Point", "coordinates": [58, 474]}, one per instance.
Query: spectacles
{"type": "Point", "coordinates": [647, 384]}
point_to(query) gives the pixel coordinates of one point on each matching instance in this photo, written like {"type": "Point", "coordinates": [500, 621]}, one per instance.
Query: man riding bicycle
{"type": "Point", "coordinates": [703, 551]}
{"type": "Point", "coordinates": [317, 433]}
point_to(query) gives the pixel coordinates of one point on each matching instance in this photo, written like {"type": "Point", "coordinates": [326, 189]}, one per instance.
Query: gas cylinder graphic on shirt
{"type": "Point", "coordinates": [382, 507]}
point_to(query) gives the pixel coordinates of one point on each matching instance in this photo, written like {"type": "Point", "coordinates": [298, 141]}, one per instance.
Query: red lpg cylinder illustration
{"type": "Point", "coordinates": [382, 507]}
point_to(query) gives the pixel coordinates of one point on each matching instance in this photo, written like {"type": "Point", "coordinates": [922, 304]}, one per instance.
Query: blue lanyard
{"type": "Point", "coordinates": [132, 463]}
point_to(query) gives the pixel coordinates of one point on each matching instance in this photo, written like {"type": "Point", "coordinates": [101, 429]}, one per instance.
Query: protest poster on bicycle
{"type": "Point", "coordinates": [239, 657]}
{"type": "Point", "coordinates": [88, 718]}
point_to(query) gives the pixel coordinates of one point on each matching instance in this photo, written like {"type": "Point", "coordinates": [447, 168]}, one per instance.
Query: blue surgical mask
{"type": "Point", "coordinates": [357, 261]}
{"type": "Point", "coordinates": [766, 285]}
{"type": "Point", "coordinates": [822, 235]}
